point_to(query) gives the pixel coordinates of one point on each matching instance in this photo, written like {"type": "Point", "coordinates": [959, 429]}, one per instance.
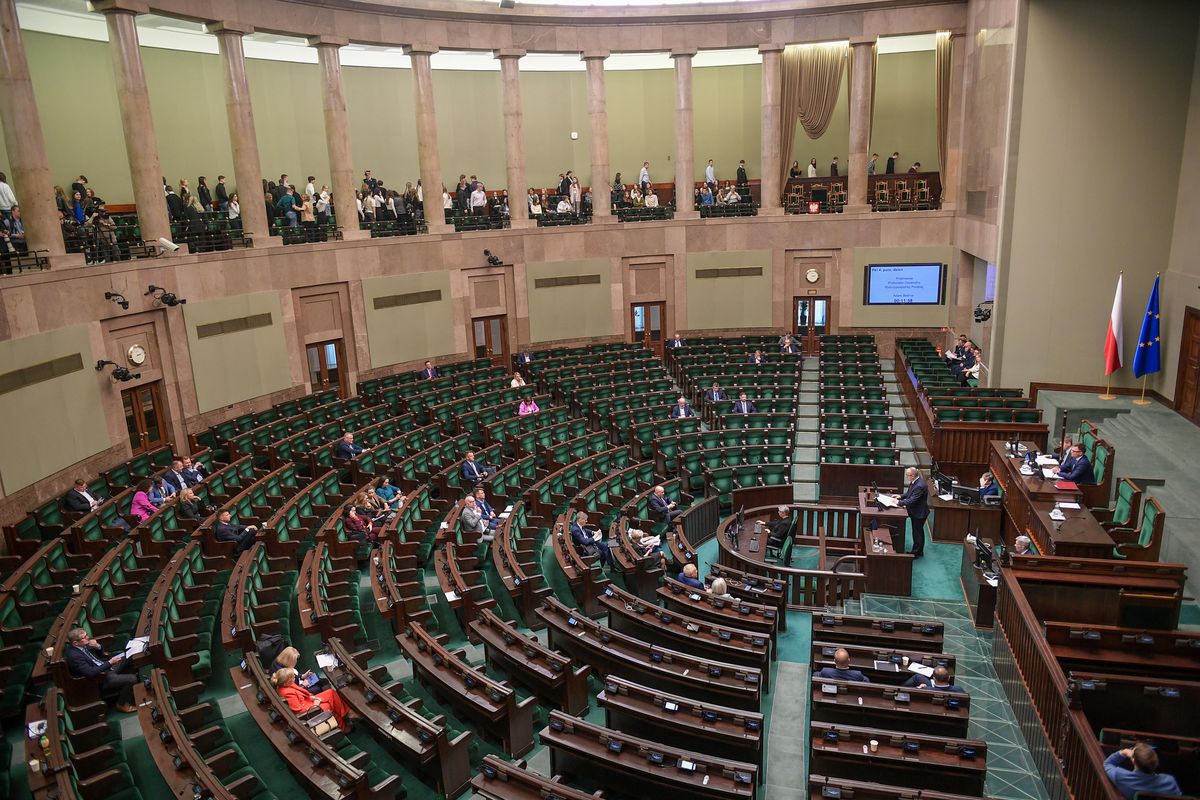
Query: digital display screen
{"type": "Point", "coordinates": [904, 284]}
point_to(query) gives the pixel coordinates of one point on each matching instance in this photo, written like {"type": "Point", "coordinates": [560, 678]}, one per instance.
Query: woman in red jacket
{"type": "Point", "coordinates": [301, 700]}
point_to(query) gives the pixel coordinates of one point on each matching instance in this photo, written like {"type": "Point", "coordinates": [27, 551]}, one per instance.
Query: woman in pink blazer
{"type": "Point", "coordinates": [141, 508]}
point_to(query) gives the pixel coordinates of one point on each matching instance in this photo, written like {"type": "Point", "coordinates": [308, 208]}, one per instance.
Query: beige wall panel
{"type": "Point", "coordinates": [49, 425]}
{"type": "Point", "coordinates": [383, 129]}
{"type": "Point", "coordinates": [727, 120]}
{"type": "Point", "coordinates": [741, 302]}
{"type": "Point", "coordinates": [231, 367]}
{"type": "Point", "coordinates": [470, 126]}
{"type": "Point", "coordinates": [864, 316]}
{"type": "Point", "coordinates": [409, 332]}
{"type": "Point", "coordinates": [569, 312]}
{"type": "Point", "coordinates": [554, 105]}
{"type": "Point", "coordinates": [288, 120]}
{"type": "Point", "coordinates": [905, 118]}
{"type": "Point", "coordinates": [1067, 244]}
{"type": "Point", "coordinates": [641, 123]}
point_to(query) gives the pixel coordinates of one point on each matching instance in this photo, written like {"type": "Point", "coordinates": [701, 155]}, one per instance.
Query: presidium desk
{"type": "Point", "coordinates": [1028, 501]}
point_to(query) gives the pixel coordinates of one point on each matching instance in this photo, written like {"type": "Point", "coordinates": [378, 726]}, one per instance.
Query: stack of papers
{"type": "Point", "coordinates": [1048, 473]}
{"type": "Point", "coordinates": [921, 669]}
{"type": "Point", "coordinates": [888, 500]}
{"type": "Point", "coordinates": [326, 661]}
{"type": "Point", "coordinates": [1069, 506]}
{"type": "Point", "coordinates": [1046, 460]}
{"type": "Point", "coordinates": [135, 646]}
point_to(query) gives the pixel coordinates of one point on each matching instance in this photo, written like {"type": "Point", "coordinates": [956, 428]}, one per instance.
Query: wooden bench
{"type": "Point", "coordinates": [548, 673]}
{"type": "Point", "coordinates": [863, 658]}
{"type": "Point", "coordinates": [699, 603]}
{"type": "Point", "coordinates": [879, 631]}
{"type": "Point", "coordinates": [644, 766]}
{"type": "Point", "coordinates": [914, 710]}
{"type": "Point", "coordinates": [491, 704]}
{"type": "Point", "coordinates": [501, 780]}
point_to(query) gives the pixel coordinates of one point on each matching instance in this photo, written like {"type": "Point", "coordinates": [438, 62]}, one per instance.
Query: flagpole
{"type": "Point", "coordinates": [1108, 395]}
{"type": "Point", "coordinates": [1112, 343]}
{"type": "Point", "coordinates": [1142, 401]}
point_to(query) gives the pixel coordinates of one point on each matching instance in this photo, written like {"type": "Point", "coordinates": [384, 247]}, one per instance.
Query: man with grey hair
{"type": "Point", "coordinates": [777, 529]}
{"type": "Point", "coordinates": [116, 676]}
{"type": "Point", "coordinates": [916, 500]}
{"type": "Point", "coordinates": [665, 510]}
{"type": "Point", "coordinates": [1022, 546]}
{"type": "Point", "coordinates": [472, 519]}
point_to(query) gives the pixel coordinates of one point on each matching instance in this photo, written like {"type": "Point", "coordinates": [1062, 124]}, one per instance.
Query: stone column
{"type": "Point", "coordinates": [598, 118]}
{"type": "Point", "coordinates": [239, 111]}
{"type": "Point", "coordinates": [769, 189]}
{"type": "Point", "coordinates": [952, 173]}
{"type": "Point", "coordinates": [427, 136]}
{"type": "Point", "coordinates": [685, 166]}
{"type": "Point", "coordinates": [23, 137]}
{"type": "Point", "coordinates": [514, 136]}
{"type": "Point", "coordinates": [862, 77]}
{"type": "Point", "coordinates": [136, 120]}
{"type": "Point", "coordinates": [337, 134]}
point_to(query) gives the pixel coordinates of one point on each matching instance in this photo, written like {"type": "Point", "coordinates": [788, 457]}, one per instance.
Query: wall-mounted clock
{"type": "Point", "coordinates": [137, 355]}
{"type": "Point", "coordinates": [812, 276]}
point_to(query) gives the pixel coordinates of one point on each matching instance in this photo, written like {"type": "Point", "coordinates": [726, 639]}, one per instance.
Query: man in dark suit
{"type": "Point", "coordinates": [472, 471]}
{"type": "Point", "coordinates": [1077, 468]}
{"type": "Point", "coordinates": [193, 472]}
{"type": "Point", "coordinates": [584, 538]}
{"type": "Point", "coordinates": [891, 163]}
{"type": "Point", "coordinates": [116, 675]}
{"type": "Point", "coordinates": [742, 178]}
{"type": "Point", "coordinates": [681, 409]}
{"type": "Point", "coordinates": [80, 500]}
{"type": "Point", "coordinates": [833, 168]}
{"type": "Point", "coordinates": [665, 510]}
{"type": "Point", "coordinates": [916, 500]}
{"type": "Point", "coordinates": [346, 449]}
{"type": "Point", "coordinates": [743, 405]}
{"type": "Point", "coordinates": [777, 529]}
{"type": "Point", "coordinates": [524, 358]}
{"type": "Point", "coordinates": [987, 486]}
{"type": "Point", "coordinates": [430, 372]}
{"type": "Point", "coordinates": [690, 576]}
{"type": "Point", "coordinates": [175, 208]}
{"type": "Point", "coordinates": [788, 345]}
{"type": "Point", "coordinates": [678, 341]}
{"type": "Point", "coordinates": [840, 671]}
{"type": "Point", "coordinates": [228, 531]}
{"type": "Point", "coordinates": [715, 393]}
{"type": "Point", "coordinates": [964, 363]}
{"type": "Point", "coordinates": [175, 477]}
{"type": "Point", "coordinates": [756, 357]}
{"type": "Point", "coordinates": [940, 682]}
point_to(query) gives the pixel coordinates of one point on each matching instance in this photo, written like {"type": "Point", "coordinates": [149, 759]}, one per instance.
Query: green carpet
{"type": "Point", "coordinates": [270, 767]}
{"type": "Point", "coordinates": [1189, 614]}
{"type": "Point", "coordinates": [146, 776]}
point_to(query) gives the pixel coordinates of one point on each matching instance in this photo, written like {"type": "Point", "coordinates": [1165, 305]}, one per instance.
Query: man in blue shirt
{"type": "Point", "coordinates": [1077, 468]}
{"type": "Point", "coordinates": [987, 486]}
{"type": "Point", "coordinates": [1144, 776]}
{"type": "Point", "coordinates": [714, 394]}
{"type": "Point", "coordinates": [490, 518]}
{"type": "Point", "coordinates": [840, 671]}
{"type": "Point", "coordinates": [690, 576]}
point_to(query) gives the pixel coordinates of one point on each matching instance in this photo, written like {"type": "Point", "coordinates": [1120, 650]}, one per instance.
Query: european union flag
{"type": "Point", "coordinates": [1148, 358]}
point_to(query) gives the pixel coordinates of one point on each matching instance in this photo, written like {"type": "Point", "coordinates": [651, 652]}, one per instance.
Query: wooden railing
{"type": "Point", "coordinates": [1072, 766]}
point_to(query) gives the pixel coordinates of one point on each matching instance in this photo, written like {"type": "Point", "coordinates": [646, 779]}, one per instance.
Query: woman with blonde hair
{"type": "Point", "coordinates": [719, 588]}
{"type": "Point", "coordinates": [300, 700]}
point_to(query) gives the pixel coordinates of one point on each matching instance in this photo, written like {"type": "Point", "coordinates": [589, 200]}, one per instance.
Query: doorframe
{"type": "Point", "coordinates": [506, 353]}
{"type": "Point", "coordinates": [340, 345]}
{"type": "Point", "coordinates": [1189, 313]}
{"type": "Point", "coordinates": [156, 399]}
{"type": "Point", "coordinates": [803, 335]}
{"type": "Point", "coordinates": [662, 323]}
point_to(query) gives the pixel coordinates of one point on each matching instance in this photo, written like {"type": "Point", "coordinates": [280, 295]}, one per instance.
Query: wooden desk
{"type": "Point", "coordinates": [1027, 503]}
{"type": "Point", "coordinates": [893, 518]}
{"type": "Point", "coordinates": [916, 710]}
{"type": "Point", "coordinates": [981, 595]}
{"type": "Point", "coordinates": [888, 571]}
{"type": "Point", "coordinates": [952, 520]}
{"type": "Point", "coordinates": [879, 631]}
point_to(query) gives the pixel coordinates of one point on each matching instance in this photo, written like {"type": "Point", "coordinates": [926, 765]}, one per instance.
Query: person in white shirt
{"type": "Point", "coordinates": [812, 168]}
{"type": "Point", "coordinates": [447, 200]}
{"type": "Point", "coordinates": [651, 199]}
{"type": "Point", "coordinates": [478, 200]}
{"type": "Point", "coordinates": [358, 201]}
{"type": "Point", "coordinates": [564, 206]}
{"type": "Point", "coordinates": [376, 203]}
{"type": "Point", "coordinates": [322, 206]}
{"type": "Point", "coordinates": [517, 381]}
{"type": "Point", "coordinates": [731, 197]}
{"type": "Point", "coordinates": [710, 176]}
{"type": "Point", "coordinates": [235, 208]}
{"type": "Point", "coordinates": [644, 176]}
{"type": "Point", "coordinates": [310, 188]}
{"type": "Point", "coordinates": [535, 206]}
{"type": "Point", "coordinates": [7, 198]}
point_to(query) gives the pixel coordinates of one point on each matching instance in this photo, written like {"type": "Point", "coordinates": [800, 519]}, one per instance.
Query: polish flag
{"type": "Point", "coordinates": [1113, 341]}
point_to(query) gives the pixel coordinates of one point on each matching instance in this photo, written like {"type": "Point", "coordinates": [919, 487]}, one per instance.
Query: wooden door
{"type": "Point", "coordinates": [810, 321]}
{"type": "Point", "coordinates": [491, 339]}
{"type": "Point", "coordinates": [144, 419]}
{"type": "Point", "coordinates": [1187, 381]}
{"type": "Point", "coordinates": [648, 325]}
{"type": "Point", "coordinates": [326, 366]}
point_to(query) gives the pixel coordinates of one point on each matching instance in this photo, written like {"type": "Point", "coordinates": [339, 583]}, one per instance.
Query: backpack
{"type": "Point", "coordinates": [268, 648]}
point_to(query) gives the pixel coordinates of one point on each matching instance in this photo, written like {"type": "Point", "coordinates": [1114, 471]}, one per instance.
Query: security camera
{"type": "Point", "coordinates": [491, 259]}
{"type": "Point", "coordinates": [164, 297]}
{"type": "Point", "coordinates": [117, 298]}
{"type": "Point", "coordinates": [166, 245]}
{"type": "Point", "coordinates": [983, 311]}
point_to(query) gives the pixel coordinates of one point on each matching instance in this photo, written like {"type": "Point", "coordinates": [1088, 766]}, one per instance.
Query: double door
{"type": "Point", "coordinates": [810, 321]}
{"type": "Point", "coordinates": [326, 366]}
{"type": "Point", "coordinates": [648, 319]}
{"type": "Point", "coordinates": [144, 419]}
{"type": "Point", "coordinates": [491, 339]}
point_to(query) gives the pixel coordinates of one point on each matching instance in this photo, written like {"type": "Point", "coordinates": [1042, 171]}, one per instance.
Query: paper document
{"type": "Point", "coordinates": [888, 500]}
{"type": "Point", "coordinates": [1046, 460]}
{"type": "Point", "coordinates": [1048, 474]}
{"type": "Point", "coordinates": [1069, 506]}
{"type": "Point", "coordinates": [921, 669]}
{"type": "Point", "coordinates": [947, 497]}
{"type": "Point", "coordinates": [451, 596]}
{"type": "Point", "coordinates": [135, 646]}
{"type": "Point", "coordinates": [887, 666]}
{"type": "Point", "coordinates": [36, 729]}
{"type": "Point", "coordinates": [597, 536]}
{"type": "Point", "coordinates": [326, 661]}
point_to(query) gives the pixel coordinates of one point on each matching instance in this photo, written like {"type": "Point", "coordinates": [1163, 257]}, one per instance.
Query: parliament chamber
{"type": "Point", "coordinates": [708, 397]}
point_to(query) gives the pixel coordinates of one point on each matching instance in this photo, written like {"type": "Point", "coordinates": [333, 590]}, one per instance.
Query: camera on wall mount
{"type": "Point", "coordinates": [493, 261]}
{"type": "Point", "coordinates": [983, 311]}
{"type": "Point", "coordinates": [120, 374]}
{"type": "Point", "coordinates": [117, 298]}
{"type": "Point", "coordinates": [164, 297]}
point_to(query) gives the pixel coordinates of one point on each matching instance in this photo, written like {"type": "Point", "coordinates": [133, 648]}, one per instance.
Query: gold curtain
{"type": "Point", "coordinates": [809, 84]}
{"type": "Point", "coordinates": [942, 62]}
